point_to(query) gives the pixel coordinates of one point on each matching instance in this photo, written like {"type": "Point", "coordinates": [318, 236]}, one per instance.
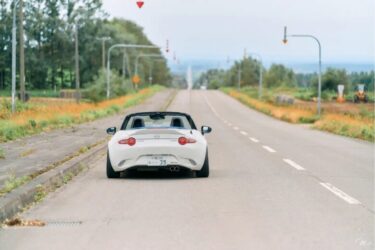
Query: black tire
{"type": "Point", "coordinates": [356, 99]}
{"type": "Point", "coordinates": [365, 99]}
{"type": "Point", "coordinates": [205, 171]}
{"type": "Point", "coordinates": [111, 174]}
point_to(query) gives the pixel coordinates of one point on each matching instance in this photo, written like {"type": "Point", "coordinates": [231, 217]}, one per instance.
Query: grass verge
{"type": "Point", "coordinates": [360, 126]}
{"type": "Point", "coordinates": [2, 154]}
{"type": "Point", "coordinates": [14, 182]}
{"type": "Point", "coordinates": [47, 114]}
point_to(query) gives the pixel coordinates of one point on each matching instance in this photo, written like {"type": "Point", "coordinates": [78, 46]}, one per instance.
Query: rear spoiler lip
{"type": "Point", "coordinates": [158, 131]}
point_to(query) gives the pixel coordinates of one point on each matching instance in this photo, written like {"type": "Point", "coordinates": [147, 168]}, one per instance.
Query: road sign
{"type": "Point", "coordinates": [140, 4]}
{"type": "Point", "coordinates": [136, 79]}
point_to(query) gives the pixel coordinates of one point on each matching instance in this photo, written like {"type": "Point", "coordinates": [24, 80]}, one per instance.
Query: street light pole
{"type": "Point", "coordinates": [14, 44]}
{"type": "Point", "coordinates": [285, 40]}
{"type": "Point", "coordinates": [136, 46]}
{"type": "Point", "coordinates": [144, 55]}
{"type": "Point", "coordinates": [125, 61]}
{"type": "Point", "coordinates": [151, 71]}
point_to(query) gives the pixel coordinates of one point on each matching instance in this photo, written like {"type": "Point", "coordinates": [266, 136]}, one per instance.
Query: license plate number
{"type": "Point", "coordinates": [157, 161]}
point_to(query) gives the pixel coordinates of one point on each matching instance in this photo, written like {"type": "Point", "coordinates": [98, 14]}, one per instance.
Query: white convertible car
{"type": "Point", "coordinates": [154, 141]}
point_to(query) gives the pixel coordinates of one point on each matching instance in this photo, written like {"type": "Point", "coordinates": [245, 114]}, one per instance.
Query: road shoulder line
{"type": "Point", "coordinates": [339, 193]}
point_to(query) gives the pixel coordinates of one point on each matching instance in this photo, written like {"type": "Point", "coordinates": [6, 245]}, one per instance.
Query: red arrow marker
{"type": "Point", "coordinates": [140, 4]}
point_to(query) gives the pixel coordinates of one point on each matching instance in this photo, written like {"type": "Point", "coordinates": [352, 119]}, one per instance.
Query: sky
{"type": "Point", "coordinates": [216, 30]}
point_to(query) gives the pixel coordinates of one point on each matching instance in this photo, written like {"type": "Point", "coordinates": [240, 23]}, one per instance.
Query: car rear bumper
{"type": "Point", "coordinates": [184, 157]}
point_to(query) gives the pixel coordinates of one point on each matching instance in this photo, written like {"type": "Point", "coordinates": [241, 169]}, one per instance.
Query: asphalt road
{"type": "Point", "coordinates": [273, 185]}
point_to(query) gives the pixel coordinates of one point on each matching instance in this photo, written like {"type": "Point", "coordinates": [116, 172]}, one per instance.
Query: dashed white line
{"type": "Point", "coordinates": [243, 133]}
{"type": "Point", "coordinates": [211, 107]}
{"type": "Point", "coordinates": [269, 149]}
{"type": "Point", "coordinates": [340, 194]}
{"type": "Point", "coordinates": [236, 128]}
{"type": "Point", "coordinates": [293, 164]}
{"type": "Point", "coordinates": [229, 124]}
{"type": "Point", "coordinates": [253, 139]}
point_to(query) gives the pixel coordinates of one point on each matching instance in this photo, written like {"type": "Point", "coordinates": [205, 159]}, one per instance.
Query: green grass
{"type": "Point", "coordinates": [12, 183]}
{"type": "Point", "coordinates": [34, 93]}
{"type": "Point", "coordinates": [2, 154]}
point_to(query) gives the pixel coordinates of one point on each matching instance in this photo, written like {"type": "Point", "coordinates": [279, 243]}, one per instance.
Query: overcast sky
{"type": "Point", "coordinates": [209, 29]}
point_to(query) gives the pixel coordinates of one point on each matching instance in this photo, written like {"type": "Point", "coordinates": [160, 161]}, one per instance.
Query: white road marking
{"type": "Point", "coordinates": [211, 107]}
{"type": "Point", "coordinates": [293, 164]}
{"type": "Point", "coordinates": [254, 139]}
{"type": "Point", "coordinates": [229, 124]}
{"type": "Point", "coordinates": [340, 193]}
{"type": "Point", "coordinates": [243, 133]}
{"type": "Point", "coordinates": [236, 128]}
{"type": "Point", "coordinates": [269, 149]}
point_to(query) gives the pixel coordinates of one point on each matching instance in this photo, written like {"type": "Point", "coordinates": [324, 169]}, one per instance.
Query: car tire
{"type": "Point", "coordinates": [111, 174]}
{"type": "Point", "coordinates": [205, 171]}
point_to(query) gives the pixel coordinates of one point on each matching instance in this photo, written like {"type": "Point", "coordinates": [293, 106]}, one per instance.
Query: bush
{"type": "Point", "coordinates": [98, 89]}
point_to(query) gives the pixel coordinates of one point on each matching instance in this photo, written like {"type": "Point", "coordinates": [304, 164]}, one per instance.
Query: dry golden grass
{"type": "Point", "coordinates": [43, 114]}
{"type": "Point", "coordinates": [286, 113]}
{"type": "Point", "coordinates": [50, 109]}
{"type": "Point", "coordinates": [356, 125]}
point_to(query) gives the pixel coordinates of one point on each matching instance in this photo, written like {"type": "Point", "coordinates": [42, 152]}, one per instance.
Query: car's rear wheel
{"type": "Point", "coordinates": [111, 174]}
{"type": "Point", "coordinates": [205, 171]}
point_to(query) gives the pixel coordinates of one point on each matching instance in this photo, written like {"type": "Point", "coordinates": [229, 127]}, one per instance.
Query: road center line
{"type": "Point", "coordinates": [236, 128]}
{"type": "Point", "coordinates": [293, 164]}
{"type": "Point", "coordinates": [340, 194]}
{"type": "Point", "coordinates": [254, 139]}
{"type": "Point", "coordinates": [229, 124]}
{"type": "Point", "coordinates": [243, 133]}
{"type": "Point", "coordinates": [211, 107]}
{"type": "Point", "coordinates": [269, 149]}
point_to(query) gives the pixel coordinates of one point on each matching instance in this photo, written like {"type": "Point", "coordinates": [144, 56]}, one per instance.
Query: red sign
{"type": "Point", "coordinates": [140, 4]}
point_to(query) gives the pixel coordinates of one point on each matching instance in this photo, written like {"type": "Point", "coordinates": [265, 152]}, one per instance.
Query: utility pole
{"type": "Point", "coordinates": [239, 77]}
{"type": "Point", "coordinates": [260, 88]}
{"type": "Point", "coordinates": [22, 54]}
{"type": "Point", "coordinates": [14, 44]}
{"type": "Point", "coordinates": [103, 40]}
{"type": "Point", "coordinates": [78, 95]}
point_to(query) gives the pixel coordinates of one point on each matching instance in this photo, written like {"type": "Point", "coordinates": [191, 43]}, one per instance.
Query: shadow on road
{"type": "Point", "coordinates": [158, 175]}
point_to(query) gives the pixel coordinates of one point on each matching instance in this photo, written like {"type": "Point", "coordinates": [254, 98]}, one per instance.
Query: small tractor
{"type": "Point", "coordinates": [360, 94]}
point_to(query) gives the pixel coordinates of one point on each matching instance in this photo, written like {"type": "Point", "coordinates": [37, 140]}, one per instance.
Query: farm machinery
{"type": "Point", "coordinates": [360, 94]}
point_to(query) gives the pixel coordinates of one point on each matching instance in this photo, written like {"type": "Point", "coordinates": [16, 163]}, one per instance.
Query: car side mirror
{"type": "Point", "coordinates": [111, 131]}
{"type": "Point", "coordinates": [206, 130]}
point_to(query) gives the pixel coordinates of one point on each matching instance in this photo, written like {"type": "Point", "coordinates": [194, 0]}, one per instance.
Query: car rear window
{"type": "Point", "coordinates": [158, 121]}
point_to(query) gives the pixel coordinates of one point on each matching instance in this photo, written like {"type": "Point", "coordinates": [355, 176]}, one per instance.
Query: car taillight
{"type": "Point", "coordinates": [131, 141]}
{"type": "Point", "coordinates": [184, 140]}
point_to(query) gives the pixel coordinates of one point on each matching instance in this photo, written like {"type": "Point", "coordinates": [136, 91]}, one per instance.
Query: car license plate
{"type": "Point", "coordinates": [157, 161]}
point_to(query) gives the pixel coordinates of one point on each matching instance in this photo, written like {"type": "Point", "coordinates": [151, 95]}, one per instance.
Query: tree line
{"type": "Point", "coordinates": [246, 72]}
{"type": "Point", "coordinates": [49, 33]}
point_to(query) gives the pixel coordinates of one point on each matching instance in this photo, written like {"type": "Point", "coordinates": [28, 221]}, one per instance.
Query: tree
{"type": "Point", "coordinates": [332, 78]}
{"type": "Point", "coordinates": [49, 43]}
{"type": "Point", "coordinates": [279, 76]}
